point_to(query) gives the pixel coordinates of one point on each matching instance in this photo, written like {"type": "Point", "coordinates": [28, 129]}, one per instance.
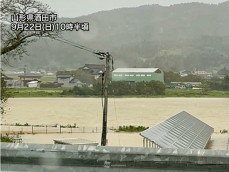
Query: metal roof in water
{"type": "Point", "coordinates": [180, 131]}
{"type": "Point", "coordinates": [74, 141]}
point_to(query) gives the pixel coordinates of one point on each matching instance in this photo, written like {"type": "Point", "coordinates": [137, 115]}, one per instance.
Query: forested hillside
{"type": "Point", "coordinates": [185, 36]}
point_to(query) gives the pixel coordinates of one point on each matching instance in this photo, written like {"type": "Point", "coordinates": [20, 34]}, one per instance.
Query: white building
{"type": "Point", "coordinates": [33, 84]}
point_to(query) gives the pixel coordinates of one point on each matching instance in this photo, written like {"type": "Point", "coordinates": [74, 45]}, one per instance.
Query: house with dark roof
{"type": "Point", "coordinates": [96, 70]}
{"type": "Point", "coordinates": [68, 81]}
{"type": "Point", "coordinates": [28, 77]}
{"type": "Point", "coordinates": [10, 82]}
{"type": "Point", "coordinates": [183, 73]}
{"type": "Point", "coordinates": [6, 77]}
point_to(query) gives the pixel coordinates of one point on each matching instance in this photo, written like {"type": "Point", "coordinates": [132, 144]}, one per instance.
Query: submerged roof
{"type": "Point", "coordinates": [75, 141]}
{"type": "Point", "coordinates": [180, 131]}
{"type": "Point", "coordinates": [143, 70]}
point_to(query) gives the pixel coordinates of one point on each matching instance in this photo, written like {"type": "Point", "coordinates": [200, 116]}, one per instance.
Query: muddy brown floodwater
{"type": "Point", "coordinates": [121, 111]}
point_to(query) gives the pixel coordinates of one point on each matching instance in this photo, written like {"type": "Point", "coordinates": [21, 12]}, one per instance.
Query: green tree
{"type": "Point", "coordinates": [225, 83]}
{"type": "Point", "coordinates": [14, 41]}
{"type": "Point", "coordinates": [141, 88]}
{"type": "Point", "coordinates": [223, 71]}
{"type": "Point", "coordinates": [205, 88]}
{"type": "Point", "coordinates": [171, 77]}
{"type": "Point", "coordinates": [4, 94]}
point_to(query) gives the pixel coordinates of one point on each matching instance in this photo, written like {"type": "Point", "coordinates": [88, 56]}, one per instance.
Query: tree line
{"type": "Point", "coordinates": [120, 88]}
{"type": "Point", "coordinates": [219, 84]}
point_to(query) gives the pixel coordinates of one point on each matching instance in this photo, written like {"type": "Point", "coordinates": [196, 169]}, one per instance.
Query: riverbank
{"type": "Point", "coordinates": [57, 92]}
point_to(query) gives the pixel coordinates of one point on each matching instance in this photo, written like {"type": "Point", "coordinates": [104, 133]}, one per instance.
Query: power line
{"type": "Point", "coordinates": [75, 45]}
{"type": "Point", "coordinates": [98, 53]}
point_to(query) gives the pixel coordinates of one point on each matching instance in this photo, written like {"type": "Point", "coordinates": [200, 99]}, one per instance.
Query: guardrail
{"type": "Point", "coordinates": [40, 157]}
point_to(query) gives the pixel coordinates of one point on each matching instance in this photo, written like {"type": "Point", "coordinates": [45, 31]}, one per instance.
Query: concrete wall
{"type": "Point", "coordinates": [137, 77]}
{"type": "Point", "coordinates": [39, 157]}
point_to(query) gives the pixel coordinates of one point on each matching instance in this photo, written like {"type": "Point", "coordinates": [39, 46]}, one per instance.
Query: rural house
{"type": "Point", "coordinates": [184, 73]}
{"type": "Point", "coordinates": [185, 84]}
{"type": "Point", "coordinates": [68, 81]}
{"type": "Point", "coordinates": [28, 77]}
{"type": "Point", "coordinates": [10, 82]}
{"type": "Point", "coordinates": [138, 74]}
{"type": "Point", "coordinates": [95, 70]}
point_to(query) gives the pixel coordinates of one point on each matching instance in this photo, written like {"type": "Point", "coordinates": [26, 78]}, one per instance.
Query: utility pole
{"type": "Point", "coordinates": [24, 75]}
{"type": "Point", "coordinates": [101, 55]}
{"type": "Point", "coordinates": [106, 82]}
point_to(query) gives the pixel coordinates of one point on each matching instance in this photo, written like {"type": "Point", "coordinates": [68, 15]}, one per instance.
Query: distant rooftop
{"type": "Point", "coordinates": [30, 75]}
{"type": "Point", "coordinates": [33, 82]}
{"type": "Point", "coordinates": [180, 131]}
{"type": "Point", "coordinates": [95, 66]}
{"type": "Point", "coordinates": [64, 76]}
{"type": "Point", "coordinates": [192, 83]}
{"type": "Point", "coordinates": [140, 70]}
{"type": "Point", "coordinates": [74, 80]}
{"type": "Point", "coordinates": [6, 77]}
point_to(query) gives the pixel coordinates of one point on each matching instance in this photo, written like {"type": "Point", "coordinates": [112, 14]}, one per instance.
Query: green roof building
{"type": "Point", "coordinates": [138, 74]}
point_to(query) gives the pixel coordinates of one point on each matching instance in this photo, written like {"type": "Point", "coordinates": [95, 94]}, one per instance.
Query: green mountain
{"type": "Point", "coordinates": [183, 36]}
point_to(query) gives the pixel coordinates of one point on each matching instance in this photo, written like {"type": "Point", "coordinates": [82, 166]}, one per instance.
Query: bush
{"type": "Point", "coordinates": [223, 131]}
{"type": "Point", "coordinates": [9, 139]}
{"type": "Point", "coordinates": [120, 88]}
{"type": "Point", "coordinates": [131, 128]}
{"type": "Point", "coordinates": [26, 124]}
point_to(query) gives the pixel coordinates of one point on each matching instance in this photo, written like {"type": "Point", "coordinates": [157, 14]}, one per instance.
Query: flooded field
{"type": "Point", "coordinates": [121, 111]}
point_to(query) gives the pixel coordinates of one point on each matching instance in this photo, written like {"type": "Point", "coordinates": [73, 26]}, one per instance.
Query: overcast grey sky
{"type": "Point", "coordinates": [75, 8]}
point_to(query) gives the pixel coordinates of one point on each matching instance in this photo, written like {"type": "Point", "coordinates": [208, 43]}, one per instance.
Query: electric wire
{"type": "Point", "coordinates": [75, 45]}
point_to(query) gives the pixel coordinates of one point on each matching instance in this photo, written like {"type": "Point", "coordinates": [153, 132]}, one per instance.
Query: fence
{"type": "Point", "coordinates": [51, 130]}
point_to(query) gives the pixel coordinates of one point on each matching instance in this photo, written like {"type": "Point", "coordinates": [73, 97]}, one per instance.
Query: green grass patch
{"type": "Point", "coordinates": [194, 93]}
{"type": "Point", "coordinates": [56, 92]}
{"type": "Point", "coordinates": [35, 92]}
